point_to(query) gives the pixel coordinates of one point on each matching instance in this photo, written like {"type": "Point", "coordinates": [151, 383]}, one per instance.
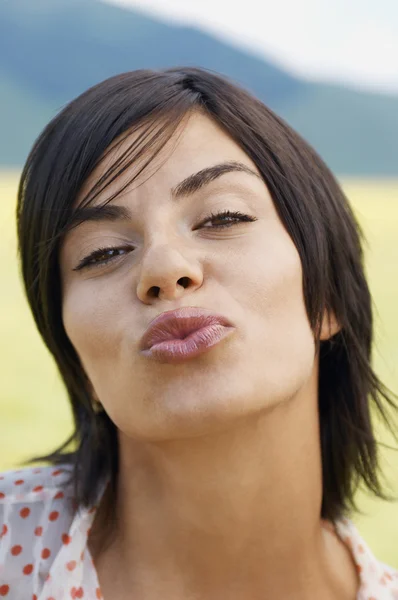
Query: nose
{"type": "Point", "coordinates": [167, 273]}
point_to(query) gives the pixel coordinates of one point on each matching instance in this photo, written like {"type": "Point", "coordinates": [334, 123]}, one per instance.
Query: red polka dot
{"type": "Point", "coordinates": [34, 597]}
{"type": "Point", "coordinates": [53, 516]}
{"type": "Point", "coordinates": [51, 598]}
{"type": "Point", "coordinates": [45, 553]}
{"type": "Point", "coordinates": [4, 589]}
{"type": "Point", "coordinates": [59, 495]}
{"type": "Point", "coordinates": [38, 531]}
{"type": "Point", "coordinates": [27, 570]}
{"type": "Point", "coordinates": [82, 555]}
{"type": "Point", "coordinates": [48, 577]}
{"type": "Point", "coordinates": [1, 477]}
{"type": "Point", "coordinates": [38, 488]}
{"type": "Point", "coordinates": [2, 495]}
{"type": "Point", "coordinates": [19, 482]}
{"type": "Point", "coordinates": [3, 531]}
{"type": "Point", "coordinates": [15, 550]}
{"type": "Point", "coordinates": [98, 594]}
{"type": "Point", "coordinates": [57, 472]}
{"type": "Point", "coordinates": [24, 512]}
{"type": "Point", "coordinates": [77, 592]}
{"type": "Point", "coordinates": [66, 539]}
{"type": "Point", "coordinates": [71, 565]}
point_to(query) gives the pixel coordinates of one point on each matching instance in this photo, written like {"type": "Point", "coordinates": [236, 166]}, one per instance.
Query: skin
{"type": "Point", "coordinates": [220, 485]}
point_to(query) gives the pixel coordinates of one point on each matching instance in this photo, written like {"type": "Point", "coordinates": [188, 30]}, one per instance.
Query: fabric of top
{"type": "Point", "coordinates": [43, 542]}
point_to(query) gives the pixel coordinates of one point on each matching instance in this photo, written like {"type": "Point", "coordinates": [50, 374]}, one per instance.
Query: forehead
{"type": "Point", "coordinates": [197, 143]}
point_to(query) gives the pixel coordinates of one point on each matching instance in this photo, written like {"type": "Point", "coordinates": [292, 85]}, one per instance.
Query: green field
{"type": "Point", "coordinates": [33, 405]}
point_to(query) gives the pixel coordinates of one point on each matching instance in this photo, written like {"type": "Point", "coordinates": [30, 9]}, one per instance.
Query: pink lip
{"type": "Point", "coordinates": [179, 335]}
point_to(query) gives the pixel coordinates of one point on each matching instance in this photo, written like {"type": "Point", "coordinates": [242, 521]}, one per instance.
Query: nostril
{"type": "Point", "coordinates": [154, 291]}
{"type": "Point", "coordinates": [184, 282]}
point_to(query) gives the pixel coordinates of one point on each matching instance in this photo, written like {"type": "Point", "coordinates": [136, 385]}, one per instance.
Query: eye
{"type": "Point", "coordinates": [227, 218]}
{"type": "Point", "coordinates": [101, 257]}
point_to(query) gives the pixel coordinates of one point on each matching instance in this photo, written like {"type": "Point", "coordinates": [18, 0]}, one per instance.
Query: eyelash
{"type": "Point", "coordinates": [241, 217]}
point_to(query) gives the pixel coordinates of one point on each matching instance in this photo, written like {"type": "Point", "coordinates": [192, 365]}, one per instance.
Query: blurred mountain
{"type": "Point", "coordinates": [52, 50]}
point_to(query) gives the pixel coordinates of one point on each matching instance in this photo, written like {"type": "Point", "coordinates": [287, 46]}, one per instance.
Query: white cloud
{"type": "Point", "coordinates": [345, 40]}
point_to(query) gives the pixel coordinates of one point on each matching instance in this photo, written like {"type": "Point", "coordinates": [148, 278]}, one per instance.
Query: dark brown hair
{"type": "Point", "coordinates": [309, 202]}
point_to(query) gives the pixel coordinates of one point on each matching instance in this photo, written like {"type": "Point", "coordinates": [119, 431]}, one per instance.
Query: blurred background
{"type": "Point", "coordinates": [328, 68]}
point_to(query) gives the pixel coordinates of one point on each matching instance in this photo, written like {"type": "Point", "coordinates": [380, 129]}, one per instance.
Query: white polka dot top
{"type": "Point", "coordinates": [43, 542]}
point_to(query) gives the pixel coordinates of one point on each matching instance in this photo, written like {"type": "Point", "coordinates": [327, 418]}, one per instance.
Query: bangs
{"type": "Point", "coordinates": [148, 140]}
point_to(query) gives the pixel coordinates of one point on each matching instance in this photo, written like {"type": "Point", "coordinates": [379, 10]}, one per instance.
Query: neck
{"type": "Point", "coordinates": [230, 515]}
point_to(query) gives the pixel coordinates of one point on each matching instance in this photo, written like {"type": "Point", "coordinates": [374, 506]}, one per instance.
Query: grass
{"type": "Point", "coordinates": [35, 415]}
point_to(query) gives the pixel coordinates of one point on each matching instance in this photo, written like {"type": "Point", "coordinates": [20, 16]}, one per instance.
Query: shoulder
{"type": "Point", "coordinates": [377, 580]}
{"type": "Point", "coordinates": [34, 488]}
{"type": "Point", "coordinates": [22, 481]}
{"type": "Point", "coordinates": [37, 507]}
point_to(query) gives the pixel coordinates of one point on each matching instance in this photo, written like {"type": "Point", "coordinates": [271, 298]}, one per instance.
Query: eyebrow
{"type": "Point", "coordinates": [187, 187]}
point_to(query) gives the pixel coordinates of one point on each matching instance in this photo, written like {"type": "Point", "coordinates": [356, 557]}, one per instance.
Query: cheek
{"type": "Point", "coordinates": [269, 288]}
{"type": "Point", "coordinates": [267, 276]}
{"type": "Point", "coordinates": [90, 316]}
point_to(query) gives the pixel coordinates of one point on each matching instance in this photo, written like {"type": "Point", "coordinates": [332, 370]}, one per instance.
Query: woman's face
{"type": "Point", "coordinates": [249, 272]}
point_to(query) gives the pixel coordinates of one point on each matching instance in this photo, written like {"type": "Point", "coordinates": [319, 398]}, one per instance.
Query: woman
{"type": "Point", "coordinates": [196, 272]}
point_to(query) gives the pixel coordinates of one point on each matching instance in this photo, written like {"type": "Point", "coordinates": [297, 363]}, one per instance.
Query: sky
{"type": "Point", "coordinates": [347, 41]}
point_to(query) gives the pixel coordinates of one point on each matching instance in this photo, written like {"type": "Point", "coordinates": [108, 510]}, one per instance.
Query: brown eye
{"type": "Point", "coordinates": [107, 254]}
{"type": "Point", "coordinates": [227, 218]}
{"type": "Point", "coordinates": [101, 257]}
